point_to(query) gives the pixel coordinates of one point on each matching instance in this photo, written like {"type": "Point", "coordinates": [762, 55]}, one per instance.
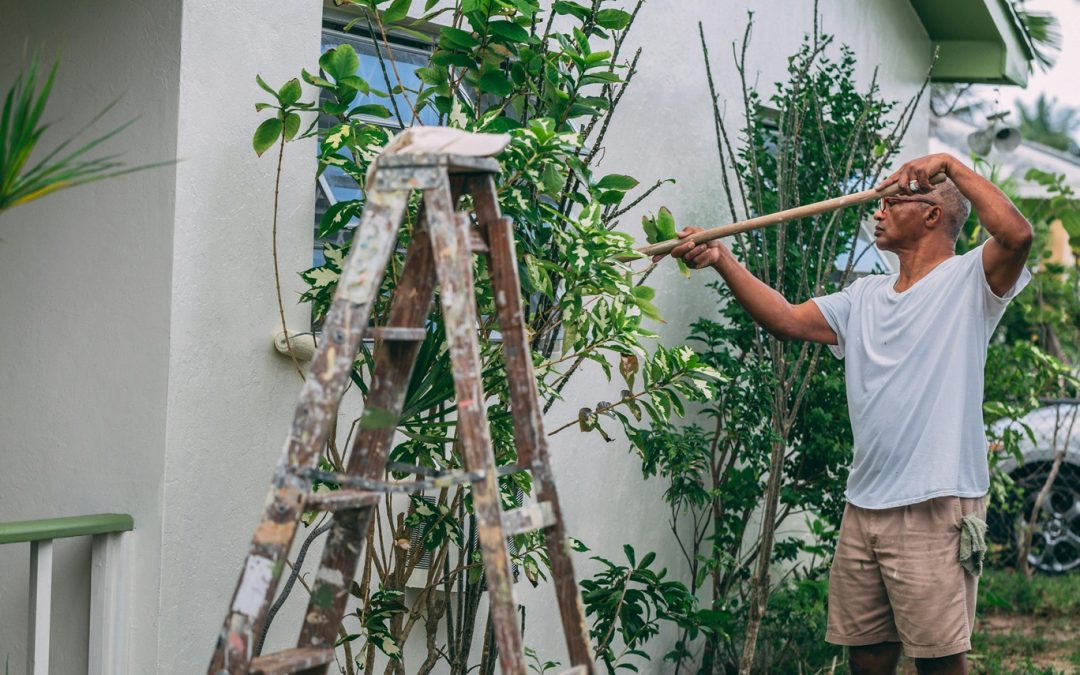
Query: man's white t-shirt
{"type": "Point", "coordinates": [914, 372]}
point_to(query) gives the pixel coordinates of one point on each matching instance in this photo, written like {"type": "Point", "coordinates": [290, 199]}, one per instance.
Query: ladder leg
{"type": "Point", "coordinates": [394, 361]}
{"type": "Point", "coordinates": [453, 264]}
{"type": "Point", "coordinates": [314, 418]}
{"type": "Point", "coordinates": [528, 416]}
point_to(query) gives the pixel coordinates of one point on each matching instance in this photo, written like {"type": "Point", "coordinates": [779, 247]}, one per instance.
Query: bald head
{"type": "Point", "coordinates": [955, 207]}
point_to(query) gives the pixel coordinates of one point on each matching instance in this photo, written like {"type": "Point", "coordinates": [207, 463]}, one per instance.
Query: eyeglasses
{"type": "Point", "coordinates": [888, 202]}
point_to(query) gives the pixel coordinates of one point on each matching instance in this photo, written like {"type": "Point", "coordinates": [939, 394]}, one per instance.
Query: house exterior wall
{"type": "Point", "coordinates": [231, 396]}
{"type": "Point", "coordinates": [201, 400]}
{"type": "Point", "coordinates": [84, 314]}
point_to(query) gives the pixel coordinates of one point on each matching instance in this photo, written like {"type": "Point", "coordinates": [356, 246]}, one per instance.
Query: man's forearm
{"type": "Point", "coordinates": [767, 307]}
{"type": "Point", "coordinates": [996, 211]}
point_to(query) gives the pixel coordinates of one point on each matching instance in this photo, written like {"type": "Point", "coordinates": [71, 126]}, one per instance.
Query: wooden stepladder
{"type": "Point", "coordinates": [440, 251]}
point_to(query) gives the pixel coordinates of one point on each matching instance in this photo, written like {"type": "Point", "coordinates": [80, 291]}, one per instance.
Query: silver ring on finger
{"type": "Point", "coordinates": [913, 185]}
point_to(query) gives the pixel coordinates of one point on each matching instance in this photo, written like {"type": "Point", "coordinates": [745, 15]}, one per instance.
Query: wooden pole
{"type": "Point", "coordinates": [805, 211]}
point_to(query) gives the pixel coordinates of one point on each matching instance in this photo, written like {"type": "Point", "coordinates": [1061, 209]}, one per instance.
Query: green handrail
{"type": "Point", "coordinates": [58, 528]}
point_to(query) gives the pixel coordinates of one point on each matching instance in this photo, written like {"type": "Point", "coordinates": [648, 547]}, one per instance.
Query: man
{"type": "Point", "coordinates": [915, 348]}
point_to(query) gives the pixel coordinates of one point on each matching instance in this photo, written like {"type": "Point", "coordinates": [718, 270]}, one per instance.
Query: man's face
{"type": "Point", "coordinates": [901, 221]}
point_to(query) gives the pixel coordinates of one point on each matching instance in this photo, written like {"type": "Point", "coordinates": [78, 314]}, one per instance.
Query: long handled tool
{"type": "Point", "coordinates": [805, 211]}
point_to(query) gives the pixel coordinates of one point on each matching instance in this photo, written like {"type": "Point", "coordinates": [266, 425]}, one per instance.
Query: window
{"type": "Point", "coordinates": [409, 55]}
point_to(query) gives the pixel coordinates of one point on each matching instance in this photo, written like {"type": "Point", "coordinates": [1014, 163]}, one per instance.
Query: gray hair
{"type": "Point", "coordinates": [955, 207]}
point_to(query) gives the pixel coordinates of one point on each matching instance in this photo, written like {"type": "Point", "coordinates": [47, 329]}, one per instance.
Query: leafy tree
{"type": "Point", "coordinates": [1049, 123]}
{"type": "Point", "coordinates": [1032, 354]}
{"type": "Point", "coordinates": [552, 82]}
{"type": "Point", "coordinates": [777, 442]}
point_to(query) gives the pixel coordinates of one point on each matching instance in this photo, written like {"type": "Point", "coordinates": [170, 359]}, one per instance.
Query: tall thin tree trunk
{"type": "Point", "coordinates": [759, 583]}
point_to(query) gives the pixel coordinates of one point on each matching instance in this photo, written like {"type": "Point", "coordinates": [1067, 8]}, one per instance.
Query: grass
{"type": "Point", "coordinates": [1005, 591]}
{"type": "Point", "coordinates": [1027, 626]}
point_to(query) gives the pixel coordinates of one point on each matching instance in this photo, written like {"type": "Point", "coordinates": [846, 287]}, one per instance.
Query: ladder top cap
{"type": "Point", "coordinates": [452, 163]}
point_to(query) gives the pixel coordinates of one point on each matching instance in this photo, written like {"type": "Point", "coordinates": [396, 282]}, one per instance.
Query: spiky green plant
{"type": "Point", "coordinates": [21, 128]}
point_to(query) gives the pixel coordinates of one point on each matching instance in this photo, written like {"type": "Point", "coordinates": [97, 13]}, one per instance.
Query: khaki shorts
{"type": "Point", "coordinates": [896, 577]}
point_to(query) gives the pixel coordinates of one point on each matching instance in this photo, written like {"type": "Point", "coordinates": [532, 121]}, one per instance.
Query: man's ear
{"type": "Point", "coordinates": [935, 216]}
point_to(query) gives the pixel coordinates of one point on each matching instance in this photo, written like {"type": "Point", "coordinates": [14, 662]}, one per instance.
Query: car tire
{"type": "Point", "coordinates": [1055, 544]}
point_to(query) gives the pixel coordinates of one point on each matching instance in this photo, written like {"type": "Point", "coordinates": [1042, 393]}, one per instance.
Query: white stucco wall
{"type": "Point", "coordinates": [84, 315]}
{"type": "Point", "coordinates": [148, 367]}
{"type": "Point", "coordinates": [231, 395]}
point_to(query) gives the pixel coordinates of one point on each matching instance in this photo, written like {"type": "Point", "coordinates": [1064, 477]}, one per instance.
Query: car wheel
{"type": "Point", "coordinates": [1055, 543]}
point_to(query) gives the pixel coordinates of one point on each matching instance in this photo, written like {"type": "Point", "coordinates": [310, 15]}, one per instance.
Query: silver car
{"type": "Point", "coordinates": [1055, 543]}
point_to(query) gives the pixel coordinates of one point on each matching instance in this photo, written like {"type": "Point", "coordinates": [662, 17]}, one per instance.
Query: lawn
{"type": "Point", "coordinates": [1027, 626]}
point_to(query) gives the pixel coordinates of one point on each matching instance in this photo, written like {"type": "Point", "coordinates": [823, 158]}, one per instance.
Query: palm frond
{"type": "Point", "coordinates": [1044, 33]}
{"type": "Point", "coordinates": [20, 130]}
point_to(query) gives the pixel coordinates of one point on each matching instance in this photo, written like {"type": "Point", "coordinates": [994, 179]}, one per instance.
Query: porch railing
{"type": "Point", "coordinates": [108, 585]}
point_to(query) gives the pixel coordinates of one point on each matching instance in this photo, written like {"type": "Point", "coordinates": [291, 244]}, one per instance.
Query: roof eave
{"type": "Point", "coordinates": [993, 49]}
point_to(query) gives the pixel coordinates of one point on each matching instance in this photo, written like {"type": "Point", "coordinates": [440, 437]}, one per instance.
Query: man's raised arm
{"type": "Point", "coordinates": [767, 307]}
{"type": "Point", "coordinates": [1006, 253]}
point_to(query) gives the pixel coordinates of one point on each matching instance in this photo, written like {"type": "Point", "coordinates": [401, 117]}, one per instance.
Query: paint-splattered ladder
{"type": "Point", "coordinates": [440, 249]}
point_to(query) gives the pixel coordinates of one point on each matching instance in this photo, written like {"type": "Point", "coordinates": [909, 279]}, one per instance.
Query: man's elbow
{"type": "Point", "coordinates": [784, 331]}
{"type": "Point", "coordinates": [1018, 239]}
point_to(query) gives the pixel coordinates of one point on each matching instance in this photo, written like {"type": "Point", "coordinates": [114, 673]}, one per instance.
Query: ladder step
{"type": "Point", "coordinates": [528, 518]}
{"type": "Point", "coordinates": [339, 500]}
{"type": "Point", "coordinates": [291, 661]}
{"type": "Point", "coordinates": [400, 333]}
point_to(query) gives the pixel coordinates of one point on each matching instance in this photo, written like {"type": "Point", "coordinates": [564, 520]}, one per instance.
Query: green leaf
{"type": "Point", "coordinates": [553, 180]}
{"type": "Point", "coordinates": [338, 216]}
{"type": "Point", "coordinates": [291, 126]}
{"type": "Point", "coordinates": [457, 38]}
{"type": "Point", "coordinates": [650, 310]}
{"type": "Point", "coordinates": [574, 8]}
{"type": "Point", "coordinates": [609, 197]}
{"type": "Point", "coordinates": [357, 83]}
{"type": "Point", "coordinates": [290, 92]}
{"type": "Point", "coordinates": [340, 62]}
{"type": "Point", "coordinates": [614, 19]}
{"type": "Point", "coordinates": [508, 31]}
{"type": "Point", "coordinates": [265, 87]}
{"type": "Point", "coordinates": [372, 109]}
{"type": "Point", "coordinates": [315, 80]}
{"type": "Point", "coordinates": [266, 135]}
{"type": "Point", "coordinates": [665, 224]}
{"type": "Point", "coordinates": [600, 78]}
{"type": "Point", "coordinates": [616, 181]}
{"type": "Point", "coordinates": [496, 82]}
{"type": "Point", "coordinates": [398, 10]}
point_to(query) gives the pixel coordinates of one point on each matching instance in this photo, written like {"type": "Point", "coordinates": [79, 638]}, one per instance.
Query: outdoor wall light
{"type": "Point", "coordinates": [1004, 138]}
